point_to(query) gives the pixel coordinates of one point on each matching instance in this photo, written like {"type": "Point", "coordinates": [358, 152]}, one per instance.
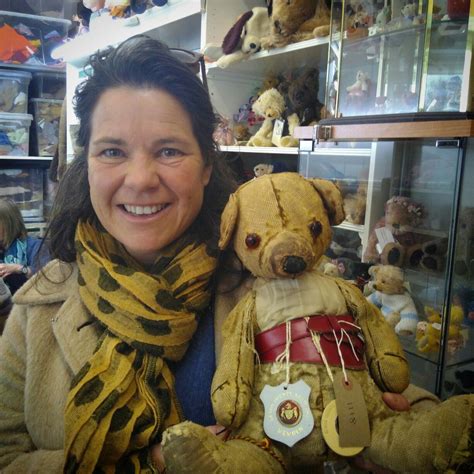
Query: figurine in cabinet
{"type": "Point", "coordinates": [295, 21]}
{"type": "Point", "coordinates": [358, 92]}
{"type": "Point", "coordinates": [393, 240]}
{"type": "Point", "coordinates": [393, 299]}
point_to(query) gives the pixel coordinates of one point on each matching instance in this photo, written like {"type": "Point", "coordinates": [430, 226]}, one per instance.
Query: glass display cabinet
{"type": "Point", "coordinates": [394, 57]}
{"type": "Point", "coordinates": [409, 203]}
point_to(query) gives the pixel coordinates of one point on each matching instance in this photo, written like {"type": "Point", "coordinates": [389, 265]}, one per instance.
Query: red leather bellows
{"type": "Point", "coordinates": [271, 343]}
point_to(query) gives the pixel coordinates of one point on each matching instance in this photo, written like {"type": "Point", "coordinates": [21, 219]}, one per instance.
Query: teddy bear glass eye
{"type": "Point", "coordinates": [315, 228]}
{"type": "Point", "coordinates": [252, 241]}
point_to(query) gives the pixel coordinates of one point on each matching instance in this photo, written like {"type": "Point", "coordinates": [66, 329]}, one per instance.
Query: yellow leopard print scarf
{"type": "Point", "coordinates": [123, 397]}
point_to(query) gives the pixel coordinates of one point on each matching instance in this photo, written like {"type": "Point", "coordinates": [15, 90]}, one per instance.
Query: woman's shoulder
{"type": "Point", "coordinates": [53, 283]}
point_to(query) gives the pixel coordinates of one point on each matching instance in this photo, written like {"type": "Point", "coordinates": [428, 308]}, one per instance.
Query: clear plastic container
{"type": "Point", "coordinates": [55, 8]}
{"type": "Point", "coordinates": [14, 134]}
{"type": "Point", "coordinates": [46, 113]}
{"type": "Point", "coordinates": [25, 186]}
{"type": "Point", "coordinates": [48, 85]}
{"type": "Point", "coordinates": [14, 91]}
{"type": "Point", "coordinates": [30, 39]}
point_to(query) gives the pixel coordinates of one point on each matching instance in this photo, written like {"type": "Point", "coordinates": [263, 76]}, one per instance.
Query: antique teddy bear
{"type": "Point", "coordinates": [393, 299]}
{"type": "Point", "coordinates": [298, 20]}
{"type": "Point", "coordinates": [402, 216]}
{"type": "Point", "coordinates": [242, 40]}
{"type": "Point", "coordinates": [302, 97]}
{"type": "Point", "coordinates": [271, 105]}
{"type": "Point", "coordinates": [313, 335]}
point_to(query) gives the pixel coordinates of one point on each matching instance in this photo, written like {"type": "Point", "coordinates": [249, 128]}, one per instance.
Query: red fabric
{"type": "Point", "coordinates": [271, 343]}
{"type": "Point", "coordinates": [13, 46]}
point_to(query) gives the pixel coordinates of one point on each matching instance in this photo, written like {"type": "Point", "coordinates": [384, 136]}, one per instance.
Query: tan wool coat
{"type": "Point", "coordinates": [47, 339]}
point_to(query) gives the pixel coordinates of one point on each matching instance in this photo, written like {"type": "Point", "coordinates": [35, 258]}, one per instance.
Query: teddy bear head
{"type": "Point", "coordinates": [280, 224]}
{"type": "Point", "coordinates": [287, 17]}
{"type": "Point", "coordinates": [270, 104]}
{"type": "Point", "coordinates": [387, 279]}
{"type": "Point", "coordinates": [262, 168]}
{"type": "Point", "coordinates": [303, 94]}
{"type": "Point", "coordinates": [402, 215]}
{"type": "Point", "coordinates": [409, 10]}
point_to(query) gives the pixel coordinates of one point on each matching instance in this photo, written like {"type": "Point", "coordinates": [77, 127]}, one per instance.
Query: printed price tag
{"type": "Point", "coordinates": [277, 131]}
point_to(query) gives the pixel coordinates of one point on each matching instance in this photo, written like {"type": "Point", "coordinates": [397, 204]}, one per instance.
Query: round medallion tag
{"type": "Point", "coordinates": [289, 413]}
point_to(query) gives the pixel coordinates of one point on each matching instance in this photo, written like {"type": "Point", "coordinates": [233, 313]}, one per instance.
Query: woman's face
{"type": "Point", "coordinates": [145, 168]}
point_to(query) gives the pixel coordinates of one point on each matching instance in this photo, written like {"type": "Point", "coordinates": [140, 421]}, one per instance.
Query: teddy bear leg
{"type": "Point", "coordinates": [191, 448]}
{"type": "Point", "coordinates": [393, 254]}
{"type": "Point", "coordinates": [413, 255]}
{"type": "Point", "coordinates": [435, 440]}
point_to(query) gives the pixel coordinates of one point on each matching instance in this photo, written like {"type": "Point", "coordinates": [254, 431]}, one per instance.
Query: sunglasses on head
{"type": "Point", "coordinates": [192, 59]}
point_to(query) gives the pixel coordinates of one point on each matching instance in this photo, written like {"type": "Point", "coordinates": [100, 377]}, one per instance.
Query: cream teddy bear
{"type": "Point", "coordinates": [393, 299]}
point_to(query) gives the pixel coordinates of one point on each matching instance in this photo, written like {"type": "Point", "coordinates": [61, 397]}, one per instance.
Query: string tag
{"type": "Point", "coordinates": [353, 419]}
{"type": "Point", "coordinates": [288, 417]}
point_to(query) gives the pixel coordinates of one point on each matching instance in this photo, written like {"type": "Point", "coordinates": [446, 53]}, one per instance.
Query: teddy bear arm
{"type": "Point", "coordinates": [386, 360]}
{"type": "Point", "coordinates": [232, 384]}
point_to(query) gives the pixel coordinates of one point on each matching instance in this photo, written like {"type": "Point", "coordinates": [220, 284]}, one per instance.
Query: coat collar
{"type": "Point", "coordinates": [56, 286]}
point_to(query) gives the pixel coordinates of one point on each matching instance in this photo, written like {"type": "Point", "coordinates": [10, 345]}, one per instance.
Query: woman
{"type": "Point", "coordinates": [18, 252]}
{"type": "Point", "coordinates": [93, 360]}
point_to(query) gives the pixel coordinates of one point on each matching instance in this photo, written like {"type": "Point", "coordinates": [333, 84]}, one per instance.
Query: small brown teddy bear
{"type": "Point", "coordinates": [295, 21]}
{"type": "Point", "coordinates": [355, 204]}
{"type": "Point", "coordinates": [316, 337]}
{"type": "Point", "coordinates": [402, 216]}
{"type": "Point", "coordinates": [302, 97]}
{"type": "Point", "coordinates": [393, 299]}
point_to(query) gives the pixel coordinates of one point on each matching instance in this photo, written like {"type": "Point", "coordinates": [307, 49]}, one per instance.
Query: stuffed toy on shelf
{"type": "Point", "coordinates": [402, 217]}
{"type": "Point", "coordinates": [393, 299]}
{"type": "Point", "coordinates": [271, 105]}
{"type": "Point", "coordinates": [298, 20]}
{"type": "Point", "coordinates": [321, 347]}
{"type": "Point", "coordinates": [242, 40]}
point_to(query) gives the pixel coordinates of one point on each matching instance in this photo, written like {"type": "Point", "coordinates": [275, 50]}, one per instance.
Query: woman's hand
{"type": "Point", "coordinates": [7, 269]}
{"type": "Point", "coordinates": [157, 453]}
{"type": "Point", "coordinates": [397, 402]}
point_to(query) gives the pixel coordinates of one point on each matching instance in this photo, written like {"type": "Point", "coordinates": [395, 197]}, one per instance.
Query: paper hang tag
{"type": "Point", "coordinates": [288, 417]}
{"type": "Point", "coordinates": [277, 131]}
{"type": "Point", "coordinates": [353, 419]}
{"type": "Point", "coordinates": [384, 237]}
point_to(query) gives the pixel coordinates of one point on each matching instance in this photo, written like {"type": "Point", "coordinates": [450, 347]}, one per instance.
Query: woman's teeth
{"type": "Point", "coordinates": [139, 210]}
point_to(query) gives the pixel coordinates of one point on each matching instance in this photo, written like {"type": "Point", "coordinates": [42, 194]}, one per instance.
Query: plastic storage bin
{"type": "Point", "coordinates": [46, 125]}
{"type": "Point", "coordinates": [14, 91]}
{"type": "Point", "coordinates": [30, 39]}
{"type": "Point", "coordinates": [54, 8]}
{"type": "Point", "coordinates": [48, 85]}
{"type": "Point", "coordinates": [14, 134]}
{"type": "Point", "coordinates": [25, 186]}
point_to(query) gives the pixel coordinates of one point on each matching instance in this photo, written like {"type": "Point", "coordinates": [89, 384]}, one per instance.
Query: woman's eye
{"type": "Point", "coordinates": [170, 152]}
{"type": "Point", "coordinates": [111, 153]}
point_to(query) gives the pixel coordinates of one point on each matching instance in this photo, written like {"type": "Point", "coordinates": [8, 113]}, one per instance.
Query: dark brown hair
{"type": "Point", "coordinates": [140, 62]}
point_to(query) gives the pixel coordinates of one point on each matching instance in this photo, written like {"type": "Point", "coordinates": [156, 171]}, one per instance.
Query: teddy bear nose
{"type": "Point", "coordinates": [293, 265]}
{"type": "Point", "coordinates": [253, 46]}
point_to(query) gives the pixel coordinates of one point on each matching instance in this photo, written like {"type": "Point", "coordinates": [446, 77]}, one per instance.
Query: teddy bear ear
{"type": "Point", "coordinates": [332, 199]}
{"type": "Point", "coordinates": [228, 220]}
{"type": "Point", "coordinates": [373, 270]}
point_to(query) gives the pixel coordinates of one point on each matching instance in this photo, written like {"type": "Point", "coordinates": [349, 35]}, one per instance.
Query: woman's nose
{"type": "Point", "coordinates": [142, 173]}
